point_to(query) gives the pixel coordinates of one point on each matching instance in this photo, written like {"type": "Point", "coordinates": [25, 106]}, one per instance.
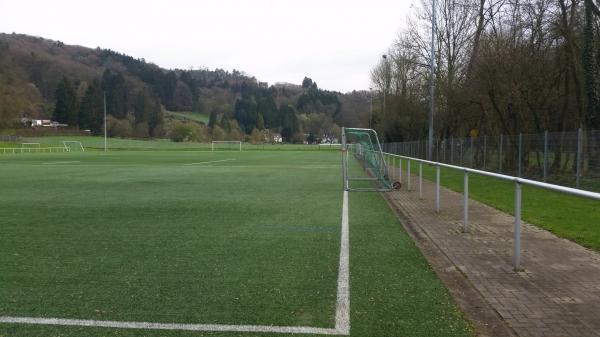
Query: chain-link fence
{"type": "Point", "coordinates": [563, 158]}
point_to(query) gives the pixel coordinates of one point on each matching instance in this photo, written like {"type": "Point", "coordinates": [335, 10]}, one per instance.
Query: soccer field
{"type": "Point", "coordinates": [224, 241]}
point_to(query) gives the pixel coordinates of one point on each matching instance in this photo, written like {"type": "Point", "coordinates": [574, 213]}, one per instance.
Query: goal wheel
{"type": "Point", "coordinates": [396, 185]}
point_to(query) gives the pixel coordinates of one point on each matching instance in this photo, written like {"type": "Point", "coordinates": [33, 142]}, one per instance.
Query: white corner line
{"type": "Point", "coordinates": [342, 308]}
{"type": "Point", "coordinates": [209, 162]}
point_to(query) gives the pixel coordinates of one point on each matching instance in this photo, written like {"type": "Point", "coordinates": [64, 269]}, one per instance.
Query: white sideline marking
{"type": "Point", "coordinates": [61, 162]}
{"type": "Point", "coordinates": [209, 162]}
{"type": "Point", "coordinates": [342, 307]}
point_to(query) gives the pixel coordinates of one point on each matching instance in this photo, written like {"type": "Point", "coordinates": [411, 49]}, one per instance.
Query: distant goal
{"type": "Point", "coordinates": [30, 147]}
{"type": "Point", "coordinates": [226, 145]}
{"type": "Point", "coordinates": [73, 146]}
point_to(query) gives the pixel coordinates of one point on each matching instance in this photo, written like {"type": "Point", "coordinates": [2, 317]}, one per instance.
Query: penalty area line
{"type": "Point", "coordinates": [342, 307]}
{"type": "Point", "coordinates": [209, 162]}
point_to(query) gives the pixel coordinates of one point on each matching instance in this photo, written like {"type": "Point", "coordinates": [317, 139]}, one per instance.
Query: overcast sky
{"type": "Point", "coordinates": [335, 42]}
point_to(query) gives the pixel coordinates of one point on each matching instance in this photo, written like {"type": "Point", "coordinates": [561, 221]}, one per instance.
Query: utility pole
{"type": "Point", "coordinates": [105, 122]}
{"type": "Point", "coordinates": [432, 84]}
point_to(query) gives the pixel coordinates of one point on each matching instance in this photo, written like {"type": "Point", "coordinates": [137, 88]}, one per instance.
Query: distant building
{"type": "Point", "coordinates": [35, 123]}
{"type": "Point", "coordinates": [263, 85]}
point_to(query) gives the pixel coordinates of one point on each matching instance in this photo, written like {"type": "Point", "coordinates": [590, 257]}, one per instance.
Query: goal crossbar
{"type": "Point", "coordinates": [217, 142]}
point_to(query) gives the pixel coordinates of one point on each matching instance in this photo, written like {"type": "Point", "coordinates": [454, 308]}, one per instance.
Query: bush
{"type": "Point", "coordinates": [118, 127]}
{"type": "Point", "coordinates": [181, 132]}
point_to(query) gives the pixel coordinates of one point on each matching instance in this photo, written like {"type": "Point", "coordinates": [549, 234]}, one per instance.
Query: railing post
{"type": "Point", "coordinates": [437, 188]}
{"type": "Point", "coordinates": [420, 180]}
{"type": "Point", "coordinates": [579, 153]}
{"type": "Point", "coordinates": [466, 203]}
{"type": "Point", "coordinates": [408, 175]}
{"type": "Point", "coordinates": [520, 154]}
{"type": "Point", "coordinates": [400, 169]}
{"type": "Point", "coordinates": [517, 242]}
{"type": "Point", "coordinates": [545, 155]}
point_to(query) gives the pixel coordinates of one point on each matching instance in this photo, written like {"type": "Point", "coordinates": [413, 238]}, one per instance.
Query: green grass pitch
{"type": "Point", "coordinates": [241, 238]}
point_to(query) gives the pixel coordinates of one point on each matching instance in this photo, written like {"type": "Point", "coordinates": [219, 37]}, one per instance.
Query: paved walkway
{"type": "Point", "coordinates": [557, 293]}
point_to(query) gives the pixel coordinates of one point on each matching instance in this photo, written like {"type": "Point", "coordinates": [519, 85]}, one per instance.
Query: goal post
{"type": "Point", "coordinates": [72, 145]}
{"type": "Point", "coordinates": [30, 147]}
{"type": "Point", "coordinates": [231, 145]}
{"type": "Point", "coordinates": [365, 147]}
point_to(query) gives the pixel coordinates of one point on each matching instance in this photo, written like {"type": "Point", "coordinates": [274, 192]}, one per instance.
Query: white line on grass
{"type": "Point", "coordinates": [168, 326]}
{"type": "Point", "coordinates": [209, 162]}
{"type": "Point", "coordinates": [61, 162]}
{"type": "Point", "coordinates": [342, 307]}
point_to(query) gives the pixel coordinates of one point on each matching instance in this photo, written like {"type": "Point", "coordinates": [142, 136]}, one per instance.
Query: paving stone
{"type": "Point", "coordinates": [556, 294]}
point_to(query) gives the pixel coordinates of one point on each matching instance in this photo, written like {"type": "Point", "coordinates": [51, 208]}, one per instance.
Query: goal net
{"type": "Point", "coordinates": [226, 145]}
{"type": "Point", "coordinates": [30, 147]}
{"type": "Point", "coordinates": [73, 146]}
{"type": "Point", "coordinates": [364, 145]}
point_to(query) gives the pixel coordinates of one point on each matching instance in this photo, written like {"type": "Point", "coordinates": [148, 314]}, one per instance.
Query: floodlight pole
{"type": "Point", "coordinates": [105, 121]}
{"type": "Point", "coordinates": [432, 84]}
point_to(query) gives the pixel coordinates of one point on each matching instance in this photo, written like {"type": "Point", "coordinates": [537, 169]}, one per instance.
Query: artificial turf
{"type": "Point", "coordinates": [225, 237]}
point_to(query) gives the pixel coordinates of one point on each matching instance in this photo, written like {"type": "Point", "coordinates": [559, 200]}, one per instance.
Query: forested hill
{"type": "Point", "coordinates": [41, 78]}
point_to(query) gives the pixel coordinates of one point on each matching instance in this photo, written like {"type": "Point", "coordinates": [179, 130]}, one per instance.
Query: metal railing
{"type": "Point", "coordinates": [518, 199]}
{"type": "Point", "coordinates": [19, 150]}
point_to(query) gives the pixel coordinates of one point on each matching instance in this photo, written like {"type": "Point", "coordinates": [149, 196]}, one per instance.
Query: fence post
{"type": "Point", "coordinates": [466, 203]}
{"type": "Point", "coordinates": [520, 153]}
{"type": "Point", "coordinates": [408, 174]}
{"type": "Point", "coordinates": [517, 242]}
{"type": "Point", "coordinates": [443, 151]}
{"type": "Point", "coordinates": [462, 145]}
{"type": "Point", "coordinates": [451, 150]}
{"type": "Point", "coordinates": [484, 151]}
{"type": "Point", "coordinates": [579, 153]}
{"type": "Point", "coordinates": [500, 156]}
{"type": "Point", "coordinates": [545, 155]}
{"type": "Point", "coordinates": [437, 188]}
{"type": "Point", "coordinates": [420, 180]}
{"type": "Point", "coordinates": [472, 154]}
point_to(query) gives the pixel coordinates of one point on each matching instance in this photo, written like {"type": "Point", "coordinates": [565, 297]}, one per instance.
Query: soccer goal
{"type": "Point", "coordinates": [365, 147]}
{"type": "Point", "coordinates": [226, 145]}
{"type": "Point", "coordinates": [30, 147]}
{"type": "Point", "coordinates": [72, 145]}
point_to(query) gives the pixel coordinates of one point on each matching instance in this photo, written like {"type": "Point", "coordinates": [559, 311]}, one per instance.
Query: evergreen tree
{"type": "Point", "coordinates": [212, 120]}
{"type": "Point", "coordinates": [289, 124]}
{"type": "Point", "coordinates": [116, 94]}
{"type": "Point", "coordinates": [65, 109]}
{"type": "Point", "coordinates": [142, 107]}
{"type": "Point", "coordinates": [91, 110]}
{"type": "Point", "coordinates": [260, 123]}
{"type": "Point", "coordinates": [155, 116]}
